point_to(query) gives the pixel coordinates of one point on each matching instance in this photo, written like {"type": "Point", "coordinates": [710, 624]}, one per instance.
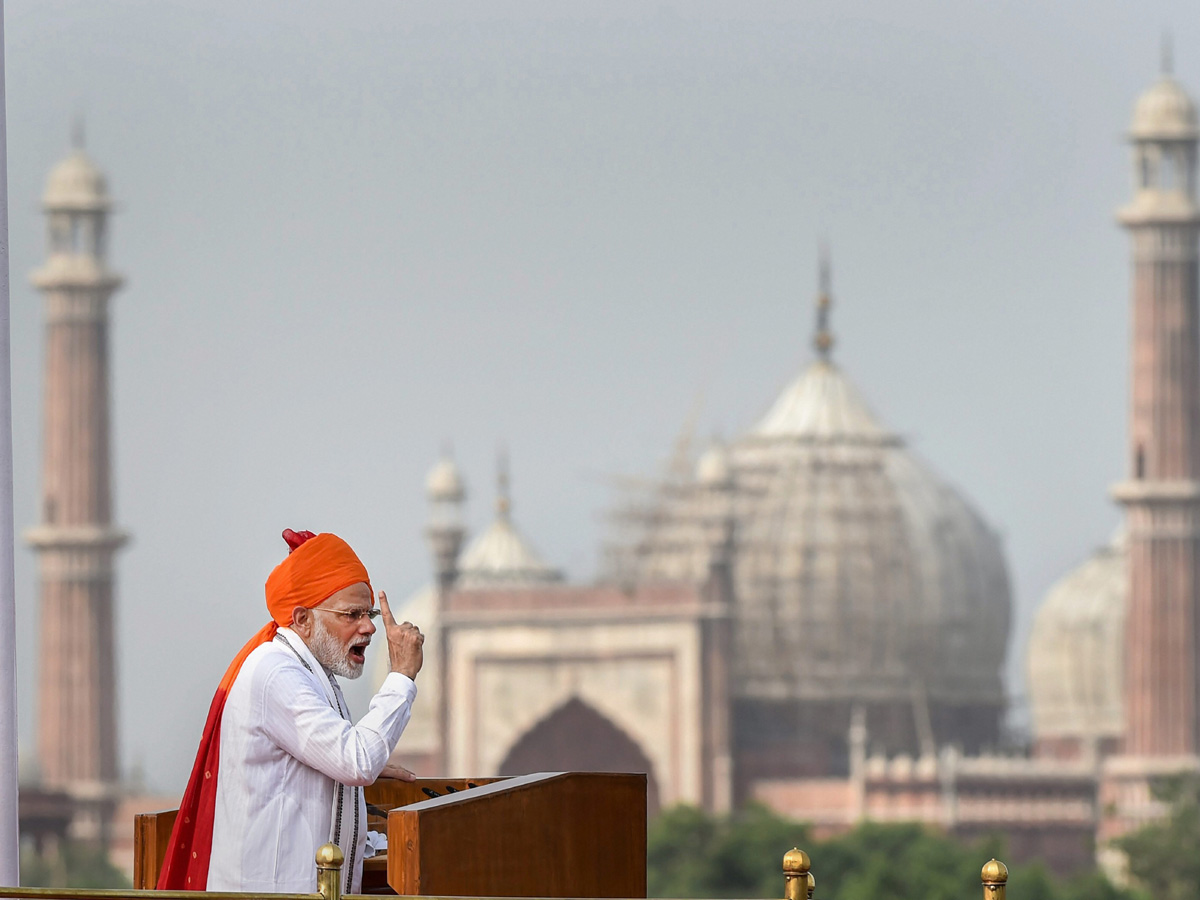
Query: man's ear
{"type": "Point", "coordinates": [301, 620]}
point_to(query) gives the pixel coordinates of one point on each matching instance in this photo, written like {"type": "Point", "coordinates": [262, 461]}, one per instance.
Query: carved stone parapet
{"type": "Point", "coordinates": [69, 272]}
{"type": "Point", "coordinates": [1133, 492]}
{"type": "Point", "coordinates": [1155, 212]}
{"type": "Point", "coordinates": [1124, 766]}
{"type": "Point", "coordinates": [75, 537]}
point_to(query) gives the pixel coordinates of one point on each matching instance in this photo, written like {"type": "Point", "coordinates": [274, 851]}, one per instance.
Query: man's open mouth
{"type": "Point", "coordinates": [358, 652]}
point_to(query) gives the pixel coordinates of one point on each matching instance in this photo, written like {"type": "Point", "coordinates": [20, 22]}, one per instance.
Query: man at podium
{"type": "Point", "coordinates": [281, 766]}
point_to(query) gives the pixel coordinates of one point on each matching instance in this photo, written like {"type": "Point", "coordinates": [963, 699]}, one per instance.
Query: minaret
{"type": "Point", "coordinates": [1162, 494]}
{"type": "Point", "coordinates": [446, 530]}
{"type": "Point", "coordinates": [76, 541]}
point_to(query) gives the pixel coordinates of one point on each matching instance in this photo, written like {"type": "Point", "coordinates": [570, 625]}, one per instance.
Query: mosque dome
{"type": "Point", "coordinates": [858, 573]}
{"type": "Point", "coordinates": [500, 556]}
{"type": "Point", "coordinates": [859, 570]}
{"type": "Point", "coordinates": [444, 481]}
{"type": "Point", "coordinates": [712, 468]}
{"type": "Point", "coordinates": [1074, 659]}
{"type": "Point", "coordinates": [76, 184]}
{"type": "Point", "coordinates": [1164, 112]}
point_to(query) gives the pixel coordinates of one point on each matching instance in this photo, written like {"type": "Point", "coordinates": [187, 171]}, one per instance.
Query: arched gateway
{"type": "Point", "coordinates": [577, 737]}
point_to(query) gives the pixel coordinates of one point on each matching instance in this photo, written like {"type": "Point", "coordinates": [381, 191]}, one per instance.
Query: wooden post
{"type": "Point", "coordinates": [329, 871]}
{"type": "Point", "coordinates": [795, 874]}
{"type": "Point", "coordinates": [995, 878]}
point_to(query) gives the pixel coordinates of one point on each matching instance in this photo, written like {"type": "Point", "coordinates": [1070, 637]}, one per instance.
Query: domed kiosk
{"type": "Point", "coordinates": [1073, 663]}
{"type": "Point", "coordinates": [500, 556]}
{"type": "Point", "coordinates": [860, 579]}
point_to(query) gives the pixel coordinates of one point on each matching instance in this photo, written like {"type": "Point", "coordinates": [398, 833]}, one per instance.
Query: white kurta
{"type": "Point", "coordinates": [287, 746]}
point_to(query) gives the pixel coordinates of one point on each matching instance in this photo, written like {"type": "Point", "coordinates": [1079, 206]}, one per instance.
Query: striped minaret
{"type": "Point", "coordinates": [76, 541]}
{"type": "Point", "coordinates": [1161, 495]}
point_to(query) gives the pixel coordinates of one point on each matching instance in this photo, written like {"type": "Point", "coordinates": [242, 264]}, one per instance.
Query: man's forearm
{"type": "Point", "coordinates": [309, 729]}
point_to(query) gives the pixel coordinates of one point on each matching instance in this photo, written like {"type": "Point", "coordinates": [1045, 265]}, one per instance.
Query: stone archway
{"type": "Point", "coordinates": [575, 737]}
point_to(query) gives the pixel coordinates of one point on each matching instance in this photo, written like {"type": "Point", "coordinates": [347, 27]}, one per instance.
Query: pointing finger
{"type": "Point", "coordinates": [385, 609]}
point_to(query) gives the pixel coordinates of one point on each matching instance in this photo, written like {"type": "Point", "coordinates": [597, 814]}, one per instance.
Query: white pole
{"type": "Point", "coordinates": [9, 840]}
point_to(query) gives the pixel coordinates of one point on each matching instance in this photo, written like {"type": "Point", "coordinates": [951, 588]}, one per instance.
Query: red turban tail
{"type": "Point", "coordinates": [316, 568]}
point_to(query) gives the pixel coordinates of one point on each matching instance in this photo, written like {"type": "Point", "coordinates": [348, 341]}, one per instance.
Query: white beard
{"type": "Point", "coordinates": [333, 656]}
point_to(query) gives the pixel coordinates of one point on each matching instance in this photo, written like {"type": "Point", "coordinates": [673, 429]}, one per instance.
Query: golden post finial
{"type": "Point", "coordinates": [329, 871]}
{"type": "Point", "coordinates": [995, 877]}
{"type": "Point", "coordinates": [812, 885]}
{"type": "Point", "coordinates": [795, 874]}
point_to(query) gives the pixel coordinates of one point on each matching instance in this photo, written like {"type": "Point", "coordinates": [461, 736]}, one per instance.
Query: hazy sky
{"type": "Point", "coordinates": [354, 232]}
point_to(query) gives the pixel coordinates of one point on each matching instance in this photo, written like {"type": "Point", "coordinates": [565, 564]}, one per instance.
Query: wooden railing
{"type": "Point", "coordinates": [549, 834]}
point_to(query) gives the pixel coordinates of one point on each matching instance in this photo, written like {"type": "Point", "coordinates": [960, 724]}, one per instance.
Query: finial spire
{"type": "Point", "coordinates": [503, 497]}
{"type": "Point", "coordinates": [77, 132]}
{"type": "Point", "coordinates": [1167, 61]}
{"type": "Point", "coordinates": [823, 339]}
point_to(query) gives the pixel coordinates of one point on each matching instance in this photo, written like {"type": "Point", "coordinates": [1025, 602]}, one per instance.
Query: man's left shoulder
{"type": "Point", "coordinates": [271, 666]}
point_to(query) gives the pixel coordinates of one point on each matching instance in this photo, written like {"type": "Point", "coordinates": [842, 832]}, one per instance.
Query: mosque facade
{"type": "Point", "coordinates": [810, 617]}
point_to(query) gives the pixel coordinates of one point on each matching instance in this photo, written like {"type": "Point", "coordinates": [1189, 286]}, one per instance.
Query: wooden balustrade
{"type": "Point", "coordinates": [550, 834]}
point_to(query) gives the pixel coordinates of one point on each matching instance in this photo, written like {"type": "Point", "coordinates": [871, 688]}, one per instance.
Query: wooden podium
{"type": "Point", "coordinates": [550, 834]}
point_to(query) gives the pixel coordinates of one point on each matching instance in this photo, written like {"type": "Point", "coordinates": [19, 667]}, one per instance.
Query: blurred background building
{"type": "Point", "coordinates": [811, 618]}
{"type": "Point", "coordinates": [76, 541]}
{"type": "Point", "coordinates": [72, 790]}
{"type": "Point", "coordinates": [807, 616]}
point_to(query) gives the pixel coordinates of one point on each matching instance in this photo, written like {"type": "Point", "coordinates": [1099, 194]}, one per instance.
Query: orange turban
{"type": "Point", "coordinates": [312, 573]}
{"type": "Point", "coordinates": [316, 568]}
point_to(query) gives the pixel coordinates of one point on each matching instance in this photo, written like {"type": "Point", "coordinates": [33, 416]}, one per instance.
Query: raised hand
{"type": "Point", "coordinates": [404, 642]}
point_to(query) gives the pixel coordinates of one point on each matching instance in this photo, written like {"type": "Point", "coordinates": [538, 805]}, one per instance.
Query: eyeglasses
{"type": "Point", "coordinates": [352, 616]}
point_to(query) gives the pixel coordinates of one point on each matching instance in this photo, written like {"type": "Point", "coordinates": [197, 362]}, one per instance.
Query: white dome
{"type": "Point", "coordinates": [444, 482]}
{"type": "Point", "coordinates": [1074, 659]}
{"type": "Point", "coordinates": [712, 468]}
{"type": "Point", "coordinates": [501, 556]}
{"type": "Point", "coordinates": [857, 572]}
{"type": "Point", "coordinates": [1164, 112]}
{"type": "Point", "coordinates": [76, 184]}
{"type": "Point", "coordinates": [821, 404]}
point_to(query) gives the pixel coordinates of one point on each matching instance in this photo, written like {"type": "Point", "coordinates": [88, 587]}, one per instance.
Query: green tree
{"type": "Point", "coordinates": [691, 854]}
{"type": "Point", "coordinates": [1164, 856]}
{"type": "Point", "coordinates": [900, 862]}
{"type": "Point", "coordinates": [74, 865]}
{"type": "Point", "coordinates": [747, 855]}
